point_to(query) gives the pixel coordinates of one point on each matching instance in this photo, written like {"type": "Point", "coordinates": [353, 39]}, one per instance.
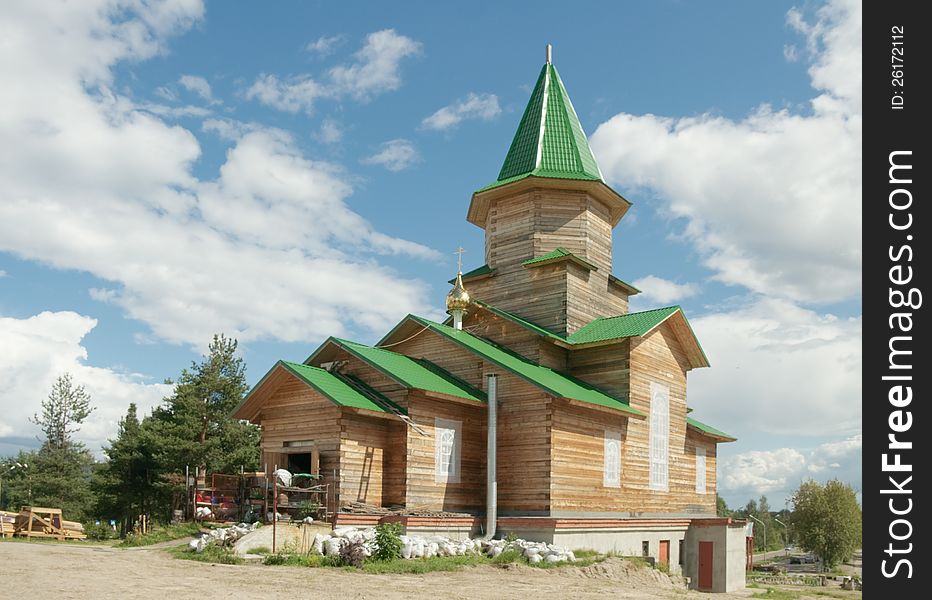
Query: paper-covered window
{"type": "Point", "coordinates": [611, 476]}
{"type": "Point", "coordinates": [659, 436]}
{"type": "Point", "coordinates": [447, 450]}
{"type": "Point", "coordinates": [700, 470]}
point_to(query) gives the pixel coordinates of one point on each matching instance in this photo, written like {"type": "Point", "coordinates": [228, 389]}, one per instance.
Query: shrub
{"type": "Point", "coordinates": [99, 532]}
{"type": "Point", "coordinates": [387, 541]}
{"type": "Point", "coordinates": [508, 556]}
{"type": "Point", "coordinates": [353, 554]}
{"type": "Point", "coordinates": [306, 508]}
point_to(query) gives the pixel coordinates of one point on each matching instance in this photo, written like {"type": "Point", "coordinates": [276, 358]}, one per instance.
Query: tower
{"type": "Point", "coordinates": [548, 221]}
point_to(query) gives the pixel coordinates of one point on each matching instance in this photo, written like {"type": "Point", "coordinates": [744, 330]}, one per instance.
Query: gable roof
{"type": "Point", "coordinates": [550, 141]}
{"type": "Point", "coordinates": [477, 273]}
{"type": "Point", "coordinates": [609, 329]}
{"type": "Point", "coordinates": [631, 324]}
{"type": "Point", "coordinates": [412, 373]}
{"type": "Point", "coordinates": [522, 322]}
{"type": "Point", "coordinates": [334, 388]}
{"type": "Point", "coordinates": [552, 382]}
{"type": "Point", "coordinates": [709, 430]}
{"type": "Point", "coordinates": [639, 324]}
{"type": "Point", "coordinates": [559, 254]}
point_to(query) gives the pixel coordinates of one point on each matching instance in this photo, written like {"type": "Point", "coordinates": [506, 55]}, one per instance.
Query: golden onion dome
{"type": "Point", "coordinates": [458, 297]}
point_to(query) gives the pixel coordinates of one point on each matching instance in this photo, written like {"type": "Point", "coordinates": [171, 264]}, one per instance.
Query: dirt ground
{"type": "Point", "coordinates": [83, 571]}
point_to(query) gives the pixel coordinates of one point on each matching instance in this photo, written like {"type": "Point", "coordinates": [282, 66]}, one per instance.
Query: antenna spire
{"type": "Point", "coordinates": [549, 54]}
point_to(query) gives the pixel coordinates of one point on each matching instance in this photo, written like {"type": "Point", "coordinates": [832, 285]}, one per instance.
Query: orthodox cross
{"type": "Point", "coordinates": [459, 259]}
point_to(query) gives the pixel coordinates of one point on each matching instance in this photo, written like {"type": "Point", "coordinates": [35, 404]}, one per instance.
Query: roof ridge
{"type": "Point", "coordinates": [635, 313]}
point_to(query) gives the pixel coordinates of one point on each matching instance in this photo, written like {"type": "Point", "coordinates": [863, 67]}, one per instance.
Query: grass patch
{"type": "Point", "coordinates": [38, 540]}
{"type": "Point", "coordinates": [776, 594]}
{"type": "Point", "coordinates": [261, 550]}
{"type": "Point", "coordinates": [211, 554]}
{"type": "Point", "coordinates": [165, 533]}
{"type": "Point", "coordinates": [418, 566]}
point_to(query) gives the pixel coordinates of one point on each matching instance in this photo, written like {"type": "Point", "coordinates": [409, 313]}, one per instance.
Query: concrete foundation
{"type": "Point", "coordinates": [627, 537]}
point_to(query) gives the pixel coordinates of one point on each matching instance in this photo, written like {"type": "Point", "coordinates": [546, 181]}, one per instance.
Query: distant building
{"type": "Point", "coordinates": [595, 446]}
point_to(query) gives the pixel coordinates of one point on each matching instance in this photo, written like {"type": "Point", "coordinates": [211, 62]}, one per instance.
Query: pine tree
{"type": "Point", "coordinates": [58, 474]}
{"type": "Point", "coordinates": [127, 484]}
{"type": "Point", "coordinates": [195, 426]}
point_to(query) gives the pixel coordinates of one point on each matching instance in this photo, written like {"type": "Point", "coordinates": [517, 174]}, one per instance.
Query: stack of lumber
{"type": "Point", "coordinates": [361, 508]}
{"type": "Point", "coordinates": [73, 530]}
{"type": "Point", "coordinates": [36, 521]}
{"type": "Point", "coordinates": [7, 523]}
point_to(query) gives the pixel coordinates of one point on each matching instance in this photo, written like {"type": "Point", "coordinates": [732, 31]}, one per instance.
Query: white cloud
{"type": "Point", "coordinates": [330, 132]}
{"type": "Point", "coordinates": [324, 45]}
{"type": "Point", "coordinates": [268, 249]}
{"type": "Point", "coordinates": [290, 95]}
{"type": "Point", "coordinates": [771, 201]}
{"type": "Point", "coordinates": [394, 155]}
{"type": "Point", "coordinates": [376, 70]}
{"type": "Point", "coordinates": [230, 130]}
{"type": "Point", "coordinates": [777, 473]}
{"type": "Point", "coordinates": [474, 106]}
{"type": "Point", "coordinates": [38, 349]}
{"type": "Point", "coordinates": [166, 93]}
{"type": "Point", "coordinates": [198, 85]}
{"type": "Point", "coordinates": [658, 289]}
{"type": "Point", "coordinates": [175, 112]}
{"type": "Point", "coordinates": [778, 369]}
{"type": "Point", "coordinates": [2, 273]}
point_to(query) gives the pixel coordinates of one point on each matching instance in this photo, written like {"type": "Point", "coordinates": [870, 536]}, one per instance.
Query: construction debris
{"type": "Point", "coordinates": [360, 508]}
{"type": "Point", "coordinates": [413, 546]}
{"type": "Point", "coordinates": [223, 536]}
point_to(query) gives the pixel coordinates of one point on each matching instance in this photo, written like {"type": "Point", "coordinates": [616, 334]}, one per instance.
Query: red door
{"type": "Point", "coordinates": [705, 566]}
{"type": "Point", "coordinates": [665, 552]}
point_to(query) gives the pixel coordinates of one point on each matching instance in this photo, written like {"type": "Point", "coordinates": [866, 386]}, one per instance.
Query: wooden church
{"type": "Point", "coordinates": [591, 443]}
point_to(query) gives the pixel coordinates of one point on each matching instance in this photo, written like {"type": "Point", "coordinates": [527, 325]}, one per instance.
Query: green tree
{"type": "Point", "coordinates": [827, 520]}
{"type": "Point", "coordinates": [63, 411]}
{"type": "Point", "coordinates": [128, 483]}
{"type": "Point", "coordinates": [721, 507]}
{"type": "Point", "coordinates": [194, 426]}
{"type": "Point", "coordinates": [58, 473]}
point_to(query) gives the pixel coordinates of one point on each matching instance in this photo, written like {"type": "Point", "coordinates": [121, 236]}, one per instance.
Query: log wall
{"type": "Point", "coordinates": [423, 489]}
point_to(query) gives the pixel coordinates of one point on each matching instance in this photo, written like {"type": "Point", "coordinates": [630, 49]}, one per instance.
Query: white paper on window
{"type": "Point", "coordinates": [659, 436]}
{"type": "Point", "coordinates": [700, 470]}
{"type": "Point", "coordinates": [611, 476]}
{"type": "Point", "coordinates": [447, 449]}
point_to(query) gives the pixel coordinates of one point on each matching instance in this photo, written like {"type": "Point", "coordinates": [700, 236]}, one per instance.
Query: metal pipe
{"type": "Point", "coordinates": [491, 491]}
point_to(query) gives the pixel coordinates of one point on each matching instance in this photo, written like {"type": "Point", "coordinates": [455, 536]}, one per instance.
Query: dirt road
{"type": "Point", "coordinates": [75, 571]}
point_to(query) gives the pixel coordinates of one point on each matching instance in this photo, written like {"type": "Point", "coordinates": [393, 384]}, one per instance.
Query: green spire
{"type": "Point", "coordinates": [549, 142]}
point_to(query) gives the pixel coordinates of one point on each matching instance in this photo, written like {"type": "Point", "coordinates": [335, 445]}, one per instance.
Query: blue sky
{"type": "Point", "coordinates": [257, 169]}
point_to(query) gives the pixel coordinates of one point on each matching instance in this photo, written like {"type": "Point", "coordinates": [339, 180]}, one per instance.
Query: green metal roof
{"type": "Point", "coordinates": [708, 429]}
{"type": "Point", "coordinates": [550, 141]}
{"type": "Point", "coordinates": [478, 271]}
{"type": "Point", "coordinates": [554, 383]}
{"type": "Point", "coordinates": [336, 389]}
{"type": "Point", "coordinates": [623, 283]}
{"type": "Point", "coordinates": [631, 324]}
{"type": "Point", "coordinates": [519, 321]}
{"type": "Point", "coordinates": [419, 374]}
{"type": "Point", "coordinates": [558, 254]}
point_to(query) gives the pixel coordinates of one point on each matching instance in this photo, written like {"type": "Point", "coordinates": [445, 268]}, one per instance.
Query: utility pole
{"type": "Point", "coordinates": [787, 528]}
{"type": "Point", "coordinates": [765, 529]}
